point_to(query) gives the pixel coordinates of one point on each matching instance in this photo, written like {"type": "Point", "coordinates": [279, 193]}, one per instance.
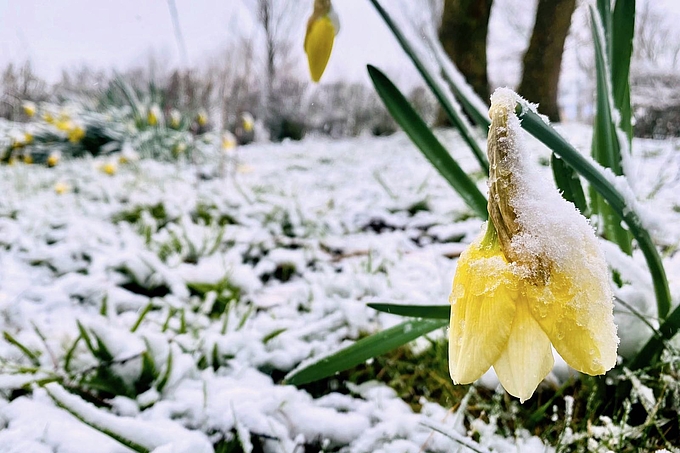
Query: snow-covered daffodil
{"type": "Point", "coordinates": [534, 279]}
{"type": "Point", "coordinates": [322, 27]}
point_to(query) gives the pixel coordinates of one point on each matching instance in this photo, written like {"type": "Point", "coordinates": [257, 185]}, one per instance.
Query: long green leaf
{"type": "Point", "coordinates": [533, 124]}
{"type": "Point", "coordinates": [623, 29]}
{"type": "Point", "coordinates": [479, 117]}
{"type": "Point", "coordinates": [364, 349]}
{"type": "Point", "coordinates": [438, 90]}
{"type": "Point", "coordinates": [568, 182]}
{"type": "Point", "coordinates": [415, 311]}
{"type": "Point", "coordinates": [606, 146]}
{"type": "Point", "coordinates": [424, 139]}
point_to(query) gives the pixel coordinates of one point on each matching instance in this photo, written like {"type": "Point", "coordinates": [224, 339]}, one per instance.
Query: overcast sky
{"type": "Point", "coordinates": [54, 34]}
{"type": "Point", "coordinates": [105, 34]}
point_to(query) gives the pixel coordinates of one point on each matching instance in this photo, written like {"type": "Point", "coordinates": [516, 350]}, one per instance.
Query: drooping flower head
{"type": "Point", "coordinates": [322, 27]}
{"type": "Point", "coordinates": [534, 278]}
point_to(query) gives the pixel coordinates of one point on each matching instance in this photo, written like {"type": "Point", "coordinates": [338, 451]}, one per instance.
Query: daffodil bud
{"type": "Point", "coordinates": [322, 27]}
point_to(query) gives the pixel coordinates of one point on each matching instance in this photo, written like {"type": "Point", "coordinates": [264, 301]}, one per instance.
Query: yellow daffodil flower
{"type": "Point", "coordinates": [75, 134]}
{"type": "Point", "coordinates": [228, 141]}
{"type": "Point", "coordinates": [202, 118]}
{"type": "Point", "coordinates": [248, 122]}
{"type": "Point", "coordinates": [322, 27]}
{"type": "Point", "coordinates": [61, 188]}
{"type": "Point", "coordinates": [53, 159]}
{"type": "Point", "coordinates": [175, 118]}
{"type": "Point", "coordinates": [29, 108]}
{"type": "Point", "coordinates": [28, 159]}
{"type": "Point", "coordinates": [109, 168]}
{"type": "Point", "coordinates": [153, 115]}
{"type": "Point", "coordinates": [533, 280]}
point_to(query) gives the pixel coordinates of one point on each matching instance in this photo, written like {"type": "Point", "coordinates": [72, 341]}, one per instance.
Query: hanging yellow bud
{"type": "Point", "coordinates": [322, 27]}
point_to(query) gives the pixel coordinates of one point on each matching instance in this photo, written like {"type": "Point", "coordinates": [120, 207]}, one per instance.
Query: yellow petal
{"type": "Point", "coordinates": [483, 307]}
{"type": "Point", "coordinates": [319, 44]}
{"type": "Point", "coordinates": [527, 359]}
{"type": "Point", "coordinates": [575, 311]}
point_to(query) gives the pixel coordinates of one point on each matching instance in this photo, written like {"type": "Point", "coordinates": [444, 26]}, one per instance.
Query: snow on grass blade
{"type": "Point", "coordinates": [416, 311]}
{"type": "Point", "coordinates": [139, 435]}
{"type": "Point", "coordinates": [599, 180]}
{"type": "Point", "coordinates": [606, 146]}
{"type": "Point", "coordinates": [363, 350]}
{"type": "Point", "coordinates": [64, 400]}
{"type": "Point", "coordinates": [452, 111]}
{"type": "Point", "coordinates": [472, 104]}
{"type": "Point", "coordinates": [424, 139]}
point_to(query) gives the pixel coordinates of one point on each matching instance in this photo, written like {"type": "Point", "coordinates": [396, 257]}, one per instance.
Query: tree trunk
{"type": "Point", "coordinates": [543, 58]}
{"type": "Point", "coordinates": [463, 32]}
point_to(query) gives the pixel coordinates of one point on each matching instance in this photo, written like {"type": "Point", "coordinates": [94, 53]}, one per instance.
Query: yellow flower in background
{"type": "Point", "coordinates": [21, 140]}
{"type": "Point", "coordinates": [179, 148]}
{"type": "Point", "coordinates": [29, 108]}
{"type": "Point", "coordinates": [64, 124]}
{"type": "Point", "coordinates": [28, 159]}
{"type": "Point", "coordinates": [109, 168]}
{"type": "Point", "coordinates": [48, 118]}
{"type": "Point", "coordinates": [61, 188]}
{"type": "Point", "coordinates": [248, 122]}
{"type": "Point", "coordinates": [53, 159]}
{"type": "Point", "coordinates": [175, 118]}
{"type": "Point", "coordinates": [322, 27]}
{"type": "Point", "coordinates": [75, 134]}
{"type": "Point", "coordinates": [153, 115]}
{"type": "Point", "coordinates": [202, 118]}
{"type": "Point", "coordinates": [228, 141]}
{"type": "Point", "coordinates": [533, 280]}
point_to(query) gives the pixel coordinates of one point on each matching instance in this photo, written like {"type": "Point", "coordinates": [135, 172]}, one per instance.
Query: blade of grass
{"type": "Point", "coordinates": [651, 351]}
{"type": "Point", "coordinates": [452, 111]}
{"type": "Point", "coordinates": [363, 350]}
{"type": "Point", "coordinates": [60, 397]}
{"type": "Point", "coordinates": [416, 311]}
{"type": "Point", "coordinates": [424, 139]}
{"type": "Point", "coordinates": [32, 356]}
{"type": "Point", "coordinates": [597, 178]}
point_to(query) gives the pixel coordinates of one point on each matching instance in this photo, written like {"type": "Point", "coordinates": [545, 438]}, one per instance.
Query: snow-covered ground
{"type": "Point", "coordinates": [184, 297]}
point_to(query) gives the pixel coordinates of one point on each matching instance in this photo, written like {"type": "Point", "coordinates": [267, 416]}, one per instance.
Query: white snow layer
{"type": "Point", "coordinates": [220, 309]}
